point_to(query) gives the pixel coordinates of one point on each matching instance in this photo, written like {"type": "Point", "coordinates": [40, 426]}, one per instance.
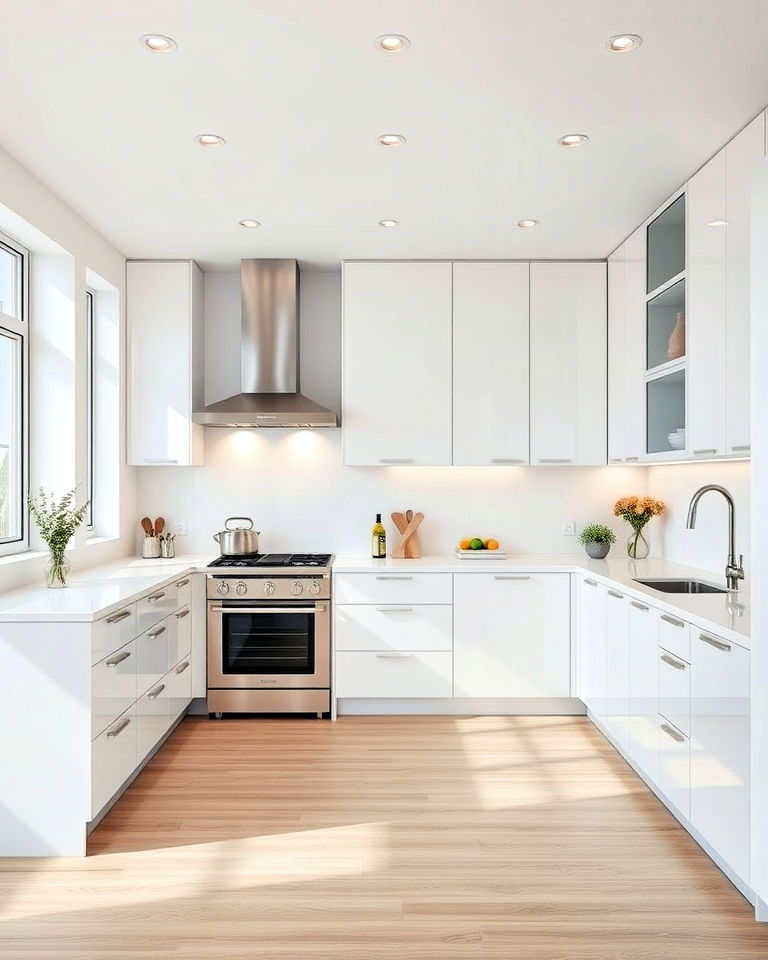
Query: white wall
{"type": "Point", "coordinates": [60, 240]}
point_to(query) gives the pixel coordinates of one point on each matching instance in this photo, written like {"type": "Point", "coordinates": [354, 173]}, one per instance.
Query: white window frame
{"type": "Point", "coordinates": [90, 394]}
{"type": "Point", "coordinates": [19, 329]}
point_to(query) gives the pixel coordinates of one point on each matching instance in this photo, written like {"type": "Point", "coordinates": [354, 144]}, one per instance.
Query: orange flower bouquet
{"type": "Point", "coordinates": [637, 511]}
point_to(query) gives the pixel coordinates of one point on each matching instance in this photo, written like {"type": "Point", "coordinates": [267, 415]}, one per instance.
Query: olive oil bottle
{"type": "Point", "coordinates": [379, 539]}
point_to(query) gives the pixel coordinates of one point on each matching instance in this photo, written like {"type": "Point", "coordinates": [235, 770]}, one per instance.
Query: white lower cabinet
{"type": "Point", "coordinates": [592, 643]}
{"type": "Point", "coordinates": [179, 688]}
{"type": "Point", "coordinates": [393, 674]}
{"type": "Point", "coordinates": [675, 690]}
{"type": "Point", "coordinates": [617, 666]}
{"type": "Point", "coordinates": [113, 687]}
{"type": "Point", "coordinates": [644, 687]}
{"type": "Point", "coordinates": [511, 635]}
{"type": "Point", "coordinates": [673, 769]}
{"type": "Point", "coordinates": [720, 778]}
{"type": "Point", "coordinates": [407, 627]}
{"type": "Point", "coordinates": [151, 718]}
{"type": "Point", "coordinates": [113, 759]}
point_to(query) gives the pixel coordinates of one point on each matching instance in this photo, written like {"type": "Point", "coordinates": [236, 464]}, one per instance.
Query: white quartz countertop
{"type": "Point", "coordinates": [726, 614]}
{"type": "Point", "coordinates": [95, 592]}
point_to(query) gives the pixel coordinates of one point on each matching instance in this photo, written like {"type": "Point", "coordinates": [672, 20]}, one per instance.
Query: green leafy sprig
{"type": "Point", "coordinates": [57, 519]}
{"type": "Point", "coordinates": [596, 533]}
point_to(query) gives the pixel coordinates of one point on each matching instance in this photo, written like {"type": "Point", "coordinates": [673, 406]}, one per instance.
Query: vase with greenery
{"type": "Point", "coordinates": [637, 511]}
{"type": "Point", "coordinates": [596, 539]}
{"type": "Point", "coordinates": [57, 521]}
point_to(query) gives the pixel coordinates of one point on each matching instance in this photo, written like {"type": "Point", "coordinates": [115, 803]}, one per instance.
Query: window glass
{"type": "Point", "coordinates": [11, 452]}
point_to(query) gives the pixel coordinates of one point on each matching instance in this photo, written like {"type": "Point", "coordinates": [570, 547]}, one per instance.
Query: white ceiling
{"type": "Point", "coordinates": [300, 93]}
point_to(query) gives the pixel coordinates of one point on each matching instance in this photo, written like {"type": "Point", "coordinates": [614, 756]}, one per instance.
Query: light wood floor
{"type": "Point", "coordinates": [381, 839]}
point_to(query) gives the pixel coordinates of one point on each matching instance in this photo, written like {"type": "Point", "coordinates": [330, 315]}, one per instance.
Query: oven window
{"type": "Point", "coordinates": [268, 643]}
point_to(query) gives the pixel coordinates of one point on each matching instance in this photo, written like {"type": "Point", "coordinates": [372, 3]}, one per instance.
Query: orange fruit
{"type": "Point", "coordinates": [464, 544]}
{"type": "Point", "coordinates": [492, 544]}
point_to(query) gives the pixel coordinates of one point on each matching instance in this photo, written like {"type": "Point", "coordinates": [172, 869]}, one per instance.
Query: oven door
{"type": "Point", "coordinates": [263, 645]}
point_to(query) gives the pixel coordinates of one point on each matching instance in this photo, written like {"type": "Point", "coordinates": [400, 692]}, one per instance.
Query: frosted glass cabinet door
{"type": "Point", "coordinates": [490, 363]}
{"type": "Point", "coordinates": [397, 363]}
{"type": "Point", "coordinates": [568, 363]}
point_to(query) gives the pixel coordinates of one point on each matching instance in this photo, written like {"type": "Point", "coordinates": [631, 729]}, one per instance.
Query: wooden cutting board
{"type": "Point", "coordinates": [407, 523]}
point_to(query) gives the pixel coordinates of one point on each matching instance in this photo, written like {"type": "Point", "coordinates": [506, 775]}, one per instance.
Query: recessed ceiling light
{"type": "Point", "coordinates": [391, 140]}
{"type": "Point", "coordinates": [573, 140]}
{"type": "Point", "coordinates": [157, 43]}
{"type": "Point", "coordinates": [392, 42]}
{"type": "Point", "coordinates": [249, 223]}
{"type": "Point", "coordinates": [527, 223]}
{"type": "Point", "coordinates": [623, 42]}
{"type": "Point", "coordinates": [717, 223]}
{"type": "Point", "coordinates": [388, 223]}
{"type": "Point", "coordinates": [210, 140]}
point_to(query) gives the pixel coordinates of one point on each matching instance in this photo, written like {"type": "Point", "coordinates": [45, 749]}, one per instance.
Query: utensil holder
{"type": "Point", "coordinates": [167, 549]}
{"type": "Point", "coordinates": [150, 548]}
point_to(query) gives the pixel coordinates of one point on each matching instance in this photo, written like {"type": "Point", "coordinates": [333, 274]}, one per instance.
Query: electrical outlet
{"type": "Point", "coordinates": [568, 528]}
{"type": "Point", "coordinates": [181, 528]}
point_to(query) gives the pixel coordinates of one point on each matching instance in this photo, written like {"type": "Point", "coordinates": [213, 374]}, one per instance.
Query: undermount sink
{"type": "Point", "coordinates": [681, 586]}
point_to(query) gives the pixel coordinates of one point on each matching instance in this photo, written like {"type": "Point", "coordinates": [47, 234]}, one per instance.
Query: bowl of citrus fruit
{"type": "Point", "coordinates": [477, 543]}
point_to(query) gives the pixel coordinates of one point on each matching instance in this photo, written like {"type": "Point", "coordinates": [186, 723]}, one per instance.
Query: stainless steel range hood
{"type": "Point", "coordinates": [270, 355]}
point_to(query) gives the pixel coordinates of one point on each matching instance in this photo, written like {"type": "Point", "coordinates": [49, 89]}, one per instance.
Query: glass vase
{"type": "Point", "coordinates": [637, 546]}
{"type": "Point", "coordinates": [57, 570]}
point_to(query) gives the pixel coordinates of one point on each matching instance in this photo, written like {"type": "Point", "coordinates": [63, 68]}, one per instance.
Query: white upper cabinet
{"type": "Point", "coordinates": [490, 363]}
{"type": "Point", "coordinates": [634, 346]}
{"type": "Point", "coordinates": [617, 374]}
{"type": "Point", "coordinates": [741, 156]}
{"type": "Point", "coordinates": [706, 313]}
{"type": "Point", "coordinates": [164, 304]}
{"type": "Point", "coordinates": [568, 363]}
{"type": "Point", "coordinates": [397, 363]}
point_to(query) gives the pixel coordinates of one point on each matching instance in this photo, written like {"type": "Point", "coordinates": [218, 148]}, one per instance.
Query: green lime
{"type": "Point", "coordinates": [476, 544]}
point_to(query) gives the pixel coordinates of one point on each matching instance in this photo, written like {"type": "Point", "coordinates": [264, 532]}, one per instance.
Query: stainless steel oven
{"type": "Point", "coordinates": [269, 640]}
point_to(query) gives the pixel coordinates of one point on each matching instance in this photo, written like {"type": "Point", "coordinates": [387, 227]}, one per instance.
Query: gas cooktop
{"type": "Point", "coordinates": [274, 560]}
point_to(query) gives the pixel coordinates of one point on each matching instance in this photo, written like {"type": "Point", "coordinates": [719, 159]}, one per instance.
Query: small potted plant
{"type": "Point", "coordinates": [596, 539]}
{"type": "Point", "coordinates": [57, 521]}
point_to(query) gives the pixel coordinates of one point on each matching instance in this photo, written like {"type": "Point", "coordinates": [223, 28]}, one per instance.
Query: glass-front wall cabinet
{"type": "Point", "coordinates": [665, 333]}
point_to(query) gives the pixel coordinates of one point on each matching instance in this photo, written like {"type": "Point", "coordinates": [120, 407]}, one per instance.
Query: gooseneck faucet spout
{"type": "Point", "coordinates": [733, 571]}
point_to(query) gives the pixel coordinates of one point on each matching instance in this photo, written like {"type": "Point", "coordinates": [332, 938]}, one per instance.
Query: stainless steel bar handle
{"type": "Point", "coordinates": [118, 729]}
{"type": "Point", "coordinates": [742, 447]}
{"type": "Point", "coordinates": [393, 577]}
{"type": "Point", "coordinates": [701, 453]}
{"type": "Point", "coordinates": [158, 460]}
{"type": "Point", "coordinates": [616, 460]}
{"type": "Point", "coordinates": [395, 656]}
{"type": "Point", "coordinates": [156, 596]}
{"type": "Point", "coordinates": [718, 644]}
{"type": "Point", "coordinates": [182, 613]}
{"type": "Point", "coordinates": [119, 617]}
{"type": "Point", "coordinates": [506, 460]}
{"type": "Point", "coordinates": [590, 583]}
{"type": "Point", "coordinates": [631, 459]}
{"type": "Point", "coordinates": [182, 583]}
{"type": "Point", "coordinates": [555, 460]}
{"type": "Point", "coordinates": [319, 608]}
{"type": "Point", "coordinates": [118, 658]}
{"type": "Point", "coordinates": [156, 633]}
{"type": "Point", "coordinates": [182, 667]}
{"type": "Point", "coordinates": [502, 576]}
{"type": "Point", "coordinates": [394, 609]}
{"type": "Point", "coordinates": [677, 664]}
{"type": "Point", "coordinates": [613, 593]}
{"type": "Point", "coordinates": [154, 694]}
{"type": "Point", "coordinates": [670, 731]}
{"type": "Point", "coordinates": [396, 460]}
{"type": "Point", "coordinates": [639, 606]}
{"type": "Point", "coordinates": [673, 620]}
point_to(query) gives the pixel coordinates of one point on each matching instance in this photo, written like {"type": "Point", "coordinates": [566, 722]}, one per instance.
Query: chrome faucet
{"type": "Point", "coordinates": [733, 572]}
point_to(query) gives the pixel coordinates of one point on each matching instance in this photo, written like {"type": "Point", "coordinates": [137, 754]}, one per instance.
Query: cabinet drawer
{"type": "Point", "coordinates": [152, 717]}
{"type": "Point", "coordinates": [156, 607]}
{"type": "Point", "coordinates": [113, 687]}
{"type": "Point", "coordinates": [181, 634]}
{"type": "Point", "coordinates": [112, 632]}
{"type": "Point", "coordinates": [154, 650]}
{"type": "Point", "coordinates": [674, 635]}
{"type": "Point", "coordinates": [393, 587]}
{"type": "Point", "coordinates": [184, 591]}
{"type": "Point", "coordinates": [674, 777]}
{"type": "Point", "coordinates": [394, 627]}
{"type": "Point", "coordinates": [675, 690]}
{"type": "Point", "coordinates": [179, 688]}
{"type": "Point", "coordinates": [368, 674]}
{"type": "Point", "coordinates": [113, 759]}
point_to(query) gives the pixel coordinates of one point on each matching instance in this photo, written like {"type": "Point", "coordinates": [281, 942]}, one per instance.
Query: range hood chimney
{"type": "Point", "coordinates": [270, 397]}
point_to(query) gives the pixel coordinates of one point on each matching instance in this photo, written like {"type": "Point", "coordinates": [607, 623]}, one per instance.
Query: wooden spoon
{"type": "Point", "coordinates": [159, 526]}
{"type": "Point", "coordinates": [146, 526]}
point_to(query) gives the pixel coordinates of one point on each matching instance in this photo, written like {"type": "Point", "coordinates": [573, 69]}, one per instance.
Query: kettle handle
{"type": "Point", "coordinates": [230, 519]}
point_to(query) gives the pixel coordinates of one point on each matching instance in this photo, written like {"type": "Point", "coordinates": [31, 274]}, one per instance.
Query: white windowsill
{"type": "Point", "coordinates": [22, 557]}
{"type": "Point", "coordinates": [93, 540]}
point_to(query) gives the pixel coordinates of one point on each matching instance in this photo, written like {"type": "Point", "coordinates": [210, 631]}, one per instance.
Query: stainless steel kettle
{"type": "Point", "coordinates": [238, 541]}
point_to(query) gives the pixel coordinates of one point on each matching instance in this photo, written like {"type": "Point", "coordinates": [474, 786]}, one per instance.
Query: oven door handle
{"type": "Point", "coordinates": [318, 608]}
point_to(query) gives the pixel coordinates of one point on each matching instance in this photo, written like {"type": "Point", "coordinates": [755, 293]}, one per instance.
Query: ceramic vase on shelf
{"type": "Point", "coordinates": [637, 545]}
{"type": "Point", "coordinates": [676, 345]}
{"type": "Point", "coordinates": [57, 570]}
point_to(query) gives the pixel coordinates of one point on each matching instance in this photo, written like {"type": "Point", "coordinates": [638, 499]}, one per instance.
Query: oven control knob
{"type": "Point", "coordinates": [269, 588]}
{"type": "Point", "coordinates": [223, 587]}
{"type": "Point", "coordinates": [314, 589]}
{"type": "Point", "coordinates": [296, 588]}
{"type": "Point", "coordinates": [241, 589]}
